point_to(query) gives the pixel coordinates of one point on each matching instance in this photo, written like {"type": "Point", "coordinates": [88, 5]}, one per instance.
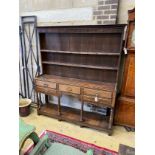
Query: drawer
{"type": "Point", "coordinates": [98, 93]}
{"type": "Point", "coordinates": [69, 89]}
{"type": "Point", "coordinates": [98, 102]}
{"type": "Point", "coordinates": [46, 90]}
{"type": "Point", "coordinates": [46, 84]}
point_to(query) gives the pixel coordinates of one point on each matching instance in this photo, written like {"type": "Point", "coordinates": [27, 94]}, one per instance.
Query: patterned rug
{"type": "Point", "coordinates": [78, 144]}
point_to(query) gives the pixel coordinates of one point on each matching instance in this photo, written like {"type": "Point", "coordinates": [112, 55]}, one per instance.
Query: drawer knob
{"type": "Point", "coordinates": [46, 85]}
{"type": "Point", "coordinates": [69, 89]}
{"type": "Point", "coordinates": [96, 98]}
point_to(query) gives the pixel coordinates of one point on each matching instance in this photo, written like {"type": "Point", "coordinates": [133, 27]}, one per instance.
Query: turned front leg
{"type": "Point", "coordinates": [82, 104]}
{"type": "Point", "coordinates": [111, 120]}
{"type": "Point", "coordinates": [46, 99]}
{"type": "Point", "coordinates": [59, 104]}
{"type": "Point", "coordinates": [81, 113]}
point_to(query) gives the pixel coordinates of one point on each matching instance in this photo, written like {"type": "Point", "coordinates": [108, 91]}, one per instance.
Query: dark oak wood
{"type": "Point", "coordinates": [82, 66]}
{"type": "Point", "coordinates": [106, 29]}
{"type": "Point", "coordinates": [82, 104]}
{"type": "Point", "coordinates": [73, 115]}
{"type": "Point", "coordinates": [91, 99]}
{"type": "Point", "coordinates": [46, 84]}
{"type": "Point", "coordinates": [82, 61]}
{"type": "Point", "coordinates": [77, 82]}
{"type": "Point", "coordinates": [81, 53]}
{"type": "Point", "coordinates": [69, 88]}
{"type": "Point", "coordinates": [46, 90]}
{"type": "Point", "coordinates": [125, 105]}
{"type": "Point", "coordinates": [125, 111]}
{"type": "Point", "coordinates": [108, 76]}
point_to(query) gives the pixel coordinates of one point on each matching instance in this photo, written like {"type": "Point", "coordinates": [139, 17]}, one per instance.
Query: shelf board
{"type": "Point", "coordinates": [84, 53]}
{"type": "Point", "coordinates": [79, 65]}
{"type": "Point", "coordinates": [96, 120]}
{"type": "Point", "coordinates": [72, 115]}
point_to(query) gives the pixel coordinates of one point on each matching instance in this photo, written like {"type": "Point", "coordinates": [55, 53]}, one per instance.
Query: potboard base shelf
{"type": "Point", "coordinates": [71, 115]}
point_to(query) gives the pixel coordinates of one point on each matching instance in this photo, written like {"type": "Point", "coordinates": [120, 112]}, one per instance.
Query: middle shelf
{"type": "Point", "coordinates": [82, 52]}
{"type": "Point", "coordinates": [80, 65]}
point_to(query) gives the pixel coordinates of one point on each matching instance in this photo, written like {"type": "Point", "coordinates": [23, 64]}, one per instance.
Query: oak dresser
{"type": "Point", "coordinates": [84, 62]}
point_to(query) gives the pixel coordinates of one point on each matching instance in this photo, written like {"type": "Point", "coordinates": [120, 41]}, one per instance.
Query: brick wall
{"type": "Point", "coordinates": [106, 12]}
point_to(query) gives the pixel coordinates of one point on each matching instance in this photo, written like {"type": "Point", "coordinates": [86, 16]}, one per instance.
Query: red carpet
{"type": "Point", "coordinates": [81, 145]}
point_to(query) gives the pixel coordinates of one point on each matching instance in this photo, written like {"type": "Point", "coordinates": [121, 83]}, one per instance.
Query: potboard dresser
{"type": "Point", "coordinates": [84, 62]}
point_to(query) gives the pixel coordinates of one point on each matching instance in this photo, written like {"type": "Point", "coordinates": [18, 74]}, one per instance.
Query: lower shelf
{"type": "Point", "coordinates": [92, 120]}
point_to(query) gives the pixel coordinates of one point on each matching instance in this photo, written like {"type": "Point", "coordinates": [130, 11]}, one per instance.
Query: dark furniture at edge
{"type": "Point", "coordinates": [82, 61]}
{"type": "Point", "coordinates": [125, 103]}
{"type": "Point", "coordinates": [126, 150]}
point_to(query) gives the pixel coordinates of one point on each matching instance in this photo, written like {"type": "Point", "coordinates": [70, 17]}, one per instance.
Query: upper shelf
{"type": "Point", "coordinates": [86, 53]}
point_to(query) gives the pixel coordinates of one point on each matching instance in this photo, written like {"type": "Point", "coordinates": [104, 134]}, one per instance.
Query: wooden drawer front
{"type": "Point", "coordinates": [69, 89]}
{"type": "Point", "coordinates": [46, 84]}
{"type": "Point", "coordinates": [100, 101]}
{"type": "Point", "coordinates": [98, 93]}
{"type": "Point", "coordinates": [46, 90]}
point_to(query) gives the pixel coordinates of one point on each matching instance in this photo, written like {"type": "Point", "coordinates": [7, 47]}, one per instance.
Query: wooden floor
{"type": "Point", "coordinates": [120, 135]}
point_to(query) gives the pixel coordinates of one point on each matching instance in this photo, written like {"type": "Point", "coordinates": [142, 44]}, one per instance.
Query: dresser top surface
{"type": "Point", "coordinates": [77, 82]}
{"type": "Point", "coordinates": [83, 26]}
{"type": "Point", "coordinates": [118, 28]}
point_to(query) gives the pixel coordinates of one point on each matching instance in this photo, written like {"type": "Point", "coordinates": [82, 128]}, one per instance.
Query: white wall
{"type": "Point", "coordinates": [38, 5]}
{"type": "Point", "coordinates": [71, 16]}
{"type": "Point", "coordinates": [54, 7]}
{"type": "Point", "coordinates": [124, 6]}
